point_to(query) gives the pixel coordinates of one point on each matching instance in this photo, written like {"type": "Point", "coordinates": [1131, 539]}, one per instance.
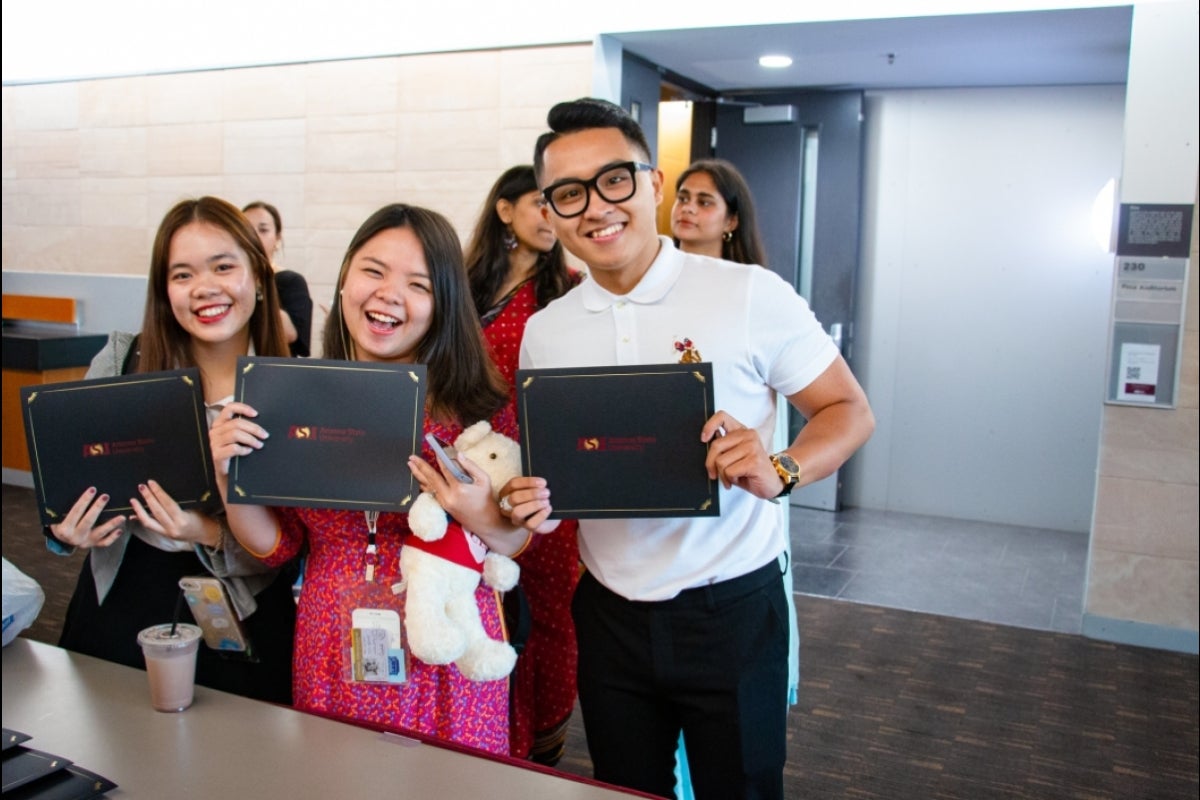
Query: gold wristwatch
{"type": "Point", "coordinates": [788, 469]}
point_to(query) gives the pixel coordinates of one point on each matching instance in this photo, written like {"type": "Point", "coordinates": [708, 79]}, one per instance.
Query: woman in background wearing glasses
{"type": "Point", "coordinates": [516, 267]}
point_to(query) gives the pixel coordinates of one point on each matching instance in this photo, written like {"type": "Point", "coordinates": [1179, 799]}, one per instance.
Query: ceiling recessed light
{"type": "Point", "coordinates": [775, 62]}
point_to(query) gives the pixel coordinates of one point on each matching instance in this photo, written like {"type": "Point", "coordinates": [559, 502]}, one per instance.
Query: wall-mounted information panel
{"type": "Point", "coordinates": [1149, 291]}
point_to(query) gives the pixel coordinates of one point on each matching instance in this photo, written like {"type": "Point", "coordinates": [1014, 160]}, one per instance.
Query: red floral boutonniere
{"type": "Point", "coordinates": [688, 354]}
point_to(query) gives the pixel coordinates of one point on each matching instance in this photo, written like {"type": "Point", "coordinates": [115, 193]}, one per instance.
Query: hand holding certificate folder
{"type": "Point", "coordinates": [115, 434]}
{"type": "Point", "coordinates": [616, 442]}
{"type": "Point", "coordinates": [340, 432]}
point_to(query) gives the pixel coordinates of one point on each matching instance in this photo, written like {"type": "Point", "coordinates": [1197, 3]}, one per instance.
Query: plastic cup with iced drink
{"type": "Point", "coordinates": [171, 664]}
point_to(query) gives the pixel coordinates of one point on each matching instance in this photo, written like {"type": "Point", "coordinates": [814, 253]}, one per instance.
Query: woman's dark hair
{"type": "Point", "coordinates": [270, 209]}
{"type": "Point", "coordinates": [487, 255]}
{"type": "Point", "coordinates": [164, 343]}
{"type": "Point", "coordinates": [464, 384]}
{"type": "Point", "coordinates": [745, 245]}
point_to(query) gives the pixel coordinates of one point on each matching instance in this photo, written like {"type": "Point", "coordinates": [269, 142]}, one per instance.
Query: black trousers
{"type": "Point", "coordinates": [711, 662]}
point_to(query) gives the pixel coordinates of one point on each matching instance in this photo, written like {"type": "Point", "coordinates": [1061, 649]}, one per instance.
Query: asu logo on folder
{"type": "Point", "coordinates": [629, 444]}
{"type": "Point", "coordinates": [96, 449]}
{"type": "Point", "coordinates": [321, 433]}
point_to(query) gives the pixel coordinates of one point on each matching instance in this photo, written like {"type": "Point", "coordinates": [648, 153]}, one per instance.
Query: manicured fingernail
{"type": "Point", "coordinates": [141, 487]}
{"type": "Point", "coordinates": [103, 498]}
{"type": "Point", "coordinates": [91, 490]}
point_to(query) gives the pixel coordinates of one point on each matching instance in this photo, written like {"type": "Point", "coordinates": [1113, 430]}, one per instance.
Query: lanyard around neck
{"type": "Point", "coordinates": [371, 557]}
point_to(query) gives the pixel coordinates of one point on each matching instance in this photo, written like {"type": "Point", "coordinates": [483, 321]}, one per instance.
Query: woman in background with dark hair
{"type": "Point", "coordinates": [713, 214]}
{"type": "Point", "coordinates": [401, 297]}
{"type": "Point", "coordinates": [210, 298]}
{"type": "Point", "coordinates": [515, 264]}
{"type": "Point", "coordinates": [516, 267]}
{"type": "Point", "coordinates": [295, 302]}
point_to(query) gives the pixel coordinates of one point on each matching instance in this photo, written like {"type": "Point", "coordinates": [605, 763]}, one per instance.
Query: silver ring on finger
{"type": "Point", "coordinates": [506, 505]}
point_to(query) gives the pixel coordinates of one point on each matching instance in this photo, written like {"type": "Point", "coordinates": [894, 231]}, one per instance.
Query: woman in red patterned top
{"type": "Point", "coordinates": [402, 297]}
{"type": "Point", "coordinates": [516, 267]}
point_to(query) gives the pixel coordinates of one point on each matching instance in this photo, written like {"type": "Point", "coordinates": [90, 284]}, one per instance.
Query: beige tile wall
{"type": "Point", "coordinates": [90, 167]}
{"type": "Point", "coordinates": [1145, 560]}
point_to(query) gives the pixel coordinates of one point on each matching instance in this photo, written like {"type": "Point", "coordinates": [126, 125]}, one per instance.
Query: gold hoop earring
{"type": "Point", "coordinates": [727, 236]}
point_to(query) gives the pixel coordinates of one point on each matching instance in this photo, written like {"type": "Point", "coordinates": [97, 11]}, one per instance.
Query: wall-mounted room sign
{"type": "Point", "coordinates": [1149, 291]}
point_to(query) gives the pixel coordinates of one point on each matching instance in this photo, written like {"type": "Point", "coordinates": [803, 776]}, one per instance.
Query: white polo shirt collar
{"type": "Point", "coordinates": [653, 286]}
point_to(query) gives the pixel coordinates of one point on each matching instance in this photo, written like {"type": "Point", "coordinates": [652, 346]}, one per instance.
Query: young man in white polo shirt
{"type": "Point", "coordinates": [682, 623]}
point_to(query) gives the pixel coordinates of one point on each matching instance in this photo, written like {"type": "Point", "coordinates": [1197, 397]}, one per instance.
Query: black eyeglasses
{"type": "Point", "coordinates": [615, 184]}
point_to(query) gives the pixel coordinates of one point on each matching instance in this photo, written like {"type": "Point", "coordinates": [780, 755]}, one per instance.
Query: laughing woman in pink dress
{"type": "Point", "coordinates": [402, 297]}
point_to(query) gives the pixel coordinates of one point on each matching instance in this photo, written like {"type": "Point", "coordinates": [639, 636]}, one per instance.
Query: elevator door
{"type": "Point", "coordinates": [805, 172]}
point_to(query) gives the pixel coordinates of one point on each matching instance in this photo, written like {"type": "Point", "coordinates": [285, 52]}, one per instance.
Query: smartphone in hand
{"type": "Point", "coordinates": [448, 455]}
{"type": "Point", "coordinates": [214, 614]}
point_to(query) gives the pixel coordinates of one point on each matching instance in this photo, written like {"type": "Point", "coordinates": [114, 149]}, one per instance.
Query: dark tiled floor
{"type": "Point", "coordinates": [1027, 577]}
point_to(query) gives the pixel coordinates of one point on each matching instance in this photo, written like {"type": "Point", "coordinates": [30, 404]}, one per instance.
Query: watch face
{"type": "Point", "coordinates": [788, 463]}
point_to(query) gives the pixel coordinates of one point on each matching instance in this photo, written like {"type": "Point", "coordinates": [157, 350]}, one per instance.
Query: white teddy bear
{"type": "Point", "coordinates": [442, 565]}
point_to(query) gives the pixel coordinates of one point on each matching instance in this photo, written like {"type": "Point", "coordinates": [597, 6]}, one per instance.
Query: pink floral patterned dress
{"type": "Point", "coordinates": [436, 700]}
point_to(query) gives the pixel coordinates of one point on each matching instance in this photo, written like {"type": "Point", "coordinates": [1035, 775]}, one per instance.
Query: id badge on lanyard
{"type": "Point", "coordinates": [370, 618]}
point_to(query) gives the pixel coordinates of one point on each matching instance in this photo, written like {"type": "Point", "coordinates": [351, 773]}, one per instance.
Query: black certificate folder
{"type": "Point", "coordinates": [116, 433]}
{"type": "Point", "coordinates": [340, 432]}
{"type": "Point", "coordinates": [616, 442]}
